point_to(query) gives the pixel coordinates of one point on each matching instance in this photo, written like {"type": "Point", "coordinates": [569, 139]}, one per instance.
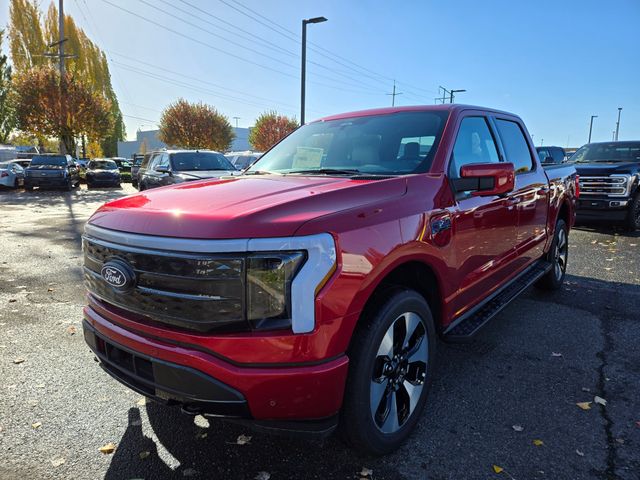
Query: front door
{"type": "Point", "coordinates": [484, 228]}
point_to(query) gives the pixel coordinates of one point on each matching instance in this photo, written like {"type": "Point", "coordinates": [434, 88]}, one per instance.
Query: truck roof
{"type": "Point", "coordinates": [451, 107]}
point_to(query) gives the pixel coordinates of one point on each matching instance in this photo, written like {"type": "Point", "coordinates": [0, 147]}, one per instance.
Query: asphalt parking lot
{"type": "Point", "coordinates": [506, 401]}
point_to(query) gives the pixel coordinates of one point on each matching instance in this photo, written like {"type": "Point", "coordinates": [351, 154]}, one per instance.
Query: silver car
{"type": "Point", "coordinates": [11, 175]}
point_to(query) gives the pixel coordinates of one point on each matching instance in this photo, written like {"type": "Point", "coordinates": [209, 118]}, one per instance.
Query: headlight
{"type": "Point", "coordinates": [268, 288]}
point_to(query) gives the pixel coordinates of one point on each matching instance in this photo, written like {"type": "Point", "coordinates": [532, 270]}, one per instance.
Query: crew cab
{"type": "Point", "coordinates": [609, 182]}
{"type": "Point", "coordinates": [308, 293]}
{"type": "Point", "coordinates": [51, 170]}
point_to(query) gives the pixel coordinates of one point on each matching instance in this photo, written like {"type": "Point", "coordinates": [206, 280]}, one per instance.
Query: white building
{"type": "Point", "coordinates": [152, 142]}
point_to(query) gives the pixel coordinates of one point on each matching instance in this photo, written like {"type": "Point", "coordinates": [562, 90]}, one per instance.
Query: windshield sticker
{"type": "Point", "coordinates": [307, 157]}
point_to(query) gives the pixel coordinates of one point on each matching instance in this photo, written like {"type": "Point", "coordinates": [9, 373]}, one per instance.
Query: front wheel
{"type": "Point", "coordinates": [633, 217]}
{"type": "Point", "coordinates": [390, 370]}
{"type": "Point", "coordinates": [557, 257]}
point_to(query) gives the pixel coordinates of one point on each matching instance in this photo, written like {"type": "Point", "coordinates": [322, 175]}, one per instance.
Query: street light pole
{"type": "Point", "coordinates": [452, 93]}
{"type": "Point", "coordinates": [591, 126]}
{"type": "Point", "coordinates": [304, 62]}
{"type": "Point", "coordinates": [618, 123]}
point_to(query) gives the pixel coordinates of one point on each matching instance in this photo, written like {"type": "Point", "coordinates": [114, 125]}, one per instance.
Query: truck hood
{"type": "Point", "coordinates": [241, 207]}
{"type": "Point", "coordinates": [188, 176]}
{"type": "Point", "coordinates": [606, 168]}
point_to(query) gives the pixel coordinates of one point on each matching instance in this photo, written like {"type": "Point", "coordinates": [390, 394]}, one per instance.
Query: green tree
{"type": "Point", "coordinates": [7, 112]}
{"type": "Point", "coordinates": [26, 39]}
{"type": "Point", "coordinates": [195, 125]}
{"type": "Point", "coordinates": [269, 129]}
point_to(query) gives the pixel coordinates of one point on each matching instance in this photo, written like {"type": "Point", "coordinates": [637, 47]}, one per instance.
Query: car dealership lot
{"type": "Point", "coordinates": [528, 368]}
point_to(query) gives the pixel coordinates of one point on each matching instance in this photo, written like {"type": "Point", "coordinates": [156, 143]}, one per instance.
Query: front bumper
{"type": "Point", "coordinates": [103, 181]}
{"type": "Point", "coordinates": [613, 209]}
{"type": "Point", "coordinates": [54, 182]}
{"type": "Point", "coordinates": [203, 383]}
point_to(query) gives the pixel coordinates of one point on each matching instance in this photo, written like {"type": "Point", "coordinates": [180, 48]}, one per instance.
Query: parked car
{"type": "Point", "coordinates": [103, 173]}
{"type": "Point", "coordinates": [144, 166]}
{"type": "Point", "coordinates": [311, 289]}
{"type": "Point", "coordinates": [136, 161]}
{"type": "Point", "coordinates": [11, 175]}
{"type": "Point", "coordinates": [124, 164]}
{"type": "Point", "coordinates": [23, 162]}
{"type": "Point", "coordinates": [83, 162]}
{"type": "Point", "coordinates": [609, 182]}
{"type": "Point", "coordinates": [177, 166]}
{"type": "Point", "coordinates": [242, 160]}
{"type": "Point", "coordinates": [52, 170]}
{"type": "Point", "coordinates": [551, 155]}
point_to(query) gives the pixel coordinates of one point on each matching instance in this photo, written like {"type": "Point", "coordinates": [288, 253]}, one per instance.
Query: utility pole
{"type": "Point", "coordinates": [618, 124]}
{"type": "Point", "coordinates": [452, 93]}
{"type": "Point", "coordinates": [393, 94]}
{"type": "Point", "coordinates": [445, 92]}
{"type": "Point", "coordinates": [591, 126]}
{"type": "Point", "coordinates": [304, 62]}
{"type": "Point", "coordinates": [541, 141]}
{"type": "Point", "coordinates": [236, 119]}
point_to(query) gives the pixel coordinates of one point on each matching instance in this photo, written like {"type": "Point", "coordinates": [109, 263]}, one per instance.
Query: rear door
{"type": "Point", "coordinates": [484, 228]}
{"type": "Point", "coordinates": [531, 194]}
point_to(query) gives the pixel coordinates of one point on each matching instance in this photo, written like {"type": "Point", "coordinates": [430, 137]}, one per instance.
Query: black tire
{"type": "Point", "coordinates": [68, 186]}
{"type": "Point", "coordinates": [633, 217]}
{"type": "Point", "coordinates": [89, 185]}
{"type": "Point", "coordinates": [558, 256]}
{"type": "Point", "coordinates": [16, 184]}
{"type": "Point", "coordinates": [361, 425]}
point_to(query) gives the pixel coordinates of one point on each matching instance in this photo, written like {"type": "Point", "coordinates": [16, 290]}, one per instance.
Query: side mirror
{"type": "Point", "coordinates": [487, 179]}
{"type": "Point", "coordinates": [163, 169]}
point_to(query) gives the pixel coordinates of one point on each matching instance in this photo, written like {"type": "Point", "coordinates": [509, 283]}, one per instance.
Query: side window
{"type": "Point", "coordinates": [515, 145]}
{"type": "Point", "coordinates": [543, 153]}
{"type": "Point", "coordinates": [558, 155]}
{"type": "Point", "coordinates": [474, 144]}
{"type": "Point", "coordinates": [163, 160]}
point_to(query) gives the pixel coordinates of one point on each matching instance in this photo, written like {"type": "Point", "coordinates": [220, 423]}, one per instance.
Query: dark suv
{"type": "Point", "coordinates": [609, 182]}
{"type": "Point", "coordinates": [176, 166]}
{"type": "Point", "coordinates": [52, 170]}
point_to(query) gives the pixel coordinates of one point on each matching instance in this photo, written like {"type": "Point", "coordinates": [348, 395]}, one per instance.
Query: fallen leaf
{"type": "Point", "coordinates": [584, 405]}
{"type": "Point", "coordinates": [141, 402]}
{"type": "Point", "coordinates": [585, 389]}
{"type": "Point", "coordinates": [243, 440]}
{"type": "Point", "coordinates": [555, 354]}
{"type": "Point", "coordinates": [538, 443]}
{"type": "Point", "coordinates": [56, 462]}
{"type": "Point", "coordinates": [518, 428]}
{"type": "Point", "coordinates": [144, 455]}
{"type": "Point", "coordinates": [108, 448]}
{"type": "Point", "coordinates": [580, 453]}
{"type": "Point", "coordinates": [49, 289]}
{"type": "Point", "coordinates": [19, 360]}
{"type": "Point", "coordinates": [71, 330]}
{"type": "Point", "coordinates": [366, 472]}
{"type": "Point", "coordinates": [498, 469]}
{"type": "Point", "coordinates": [12, 300]}
{"type": "Point", "coordinates": [36, 425]}
{"type": "Point", "coordinates": [262, 476]}
{"type": "Point", "coordinates": [600, 401]}
{"type": "Point", "coordinates": [620, 440]}
{"type": "Point", "coordinates": [202, 435]}
{"type": "Point", "coordinates": [189, 472]}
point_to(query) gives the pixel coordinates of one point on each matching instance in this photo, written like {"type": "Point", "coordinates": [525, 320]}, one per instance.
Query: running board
{"type": "Point", "coordinates": [465, 327]}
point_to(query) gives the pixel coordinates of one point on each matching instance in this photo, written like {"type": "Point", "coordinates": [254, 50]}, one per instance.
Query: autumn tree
{"type": "Point", "coordinates": [49, 105]}
{"type": "Point", "coordinates": [7, 112]}
{"type": "Point", "coordinates": [29, 35]}
{"type": "Point", "coordinates": [269, 129]}
{"type": "Point", "coordinates": [195, 125]}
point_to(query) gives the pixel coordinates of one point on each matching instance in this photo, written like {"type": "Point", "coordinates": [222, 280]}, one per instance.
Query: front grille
{"type": "Point", "coordinates": [613, 186]}
{"type": "Point", "coordinates": [202, 292]}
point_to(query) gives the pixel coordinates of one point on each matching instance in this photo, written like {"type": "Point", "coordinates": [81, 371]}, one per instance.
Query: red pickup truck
{"type": "Point", "coordinates": [309, 292]}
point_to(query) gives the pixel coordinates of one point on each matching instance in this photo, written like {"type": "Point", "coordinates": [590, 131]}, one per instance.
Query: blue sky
{"type": "Point", "coordinates": [554, 63]}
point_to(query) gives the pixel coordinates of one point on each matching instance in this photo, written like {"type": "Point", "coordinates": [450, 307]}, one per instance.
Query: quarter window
{"type": "Point", "coordinates": [474, 144]}
{"type": "Point", "coordinates": [515, 146]}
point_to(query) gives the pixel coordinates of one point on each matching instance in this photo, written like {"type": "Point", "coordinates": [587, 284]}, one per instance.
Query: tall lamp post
{"type": "Point", "coordinates": [304, 61]}
{"type": "Point", "coordinates": [618, 123]}
{"type": "Point", "coordinates": [452, 93]}
{"type": "Point", "coordinates": [591, 126]}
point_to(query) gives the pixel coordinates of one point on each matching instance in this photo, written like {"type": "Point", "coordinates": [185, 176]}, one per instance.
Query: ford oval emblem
{"type": "Point", "coordinates": [118, 274]}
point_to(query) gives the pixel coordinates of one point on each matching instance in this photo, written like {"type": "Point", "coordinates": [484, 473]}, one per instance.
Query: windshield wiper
{"type": "Point", "coordinates": [260, 172]}
{"type": "Point", "coordinates": [326, 171]}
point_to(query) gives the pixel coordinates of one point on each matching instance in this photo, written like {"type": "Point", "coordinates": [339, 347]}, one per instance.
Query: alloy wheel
{"type": "Point", "coordinates": [560, 263]}
{"type": "Point", "coordinates": [399, 372]}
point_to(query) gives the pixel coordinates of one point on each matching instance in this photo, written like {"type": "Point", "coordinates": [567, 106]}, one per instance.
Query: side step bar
{"type": "Point", "coordinates": [466, 326]}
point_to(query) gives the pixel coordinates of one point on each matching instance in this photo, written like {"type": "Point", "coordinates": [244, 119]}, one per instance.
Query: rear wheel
{"type": "Point", "coordinates": [390, 370]}
{"type": "Point", "coordinates": [633, 217]}
{"type": "Point", "coordinates": [557, 256]}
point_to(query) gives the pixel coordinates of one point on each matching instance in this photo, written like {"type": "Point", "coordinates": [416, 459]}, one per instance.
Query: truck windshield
{"type": "Point", "coordinates": [102, 165]}
{"type": "Point", "coordinates": [393, 144]}
{"type": "Point", "coordinates": [608, 152]}
{"type": "Point", "coordinates": [194, 161]}
{"type": "Point", "coordinates": [53, 160]}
